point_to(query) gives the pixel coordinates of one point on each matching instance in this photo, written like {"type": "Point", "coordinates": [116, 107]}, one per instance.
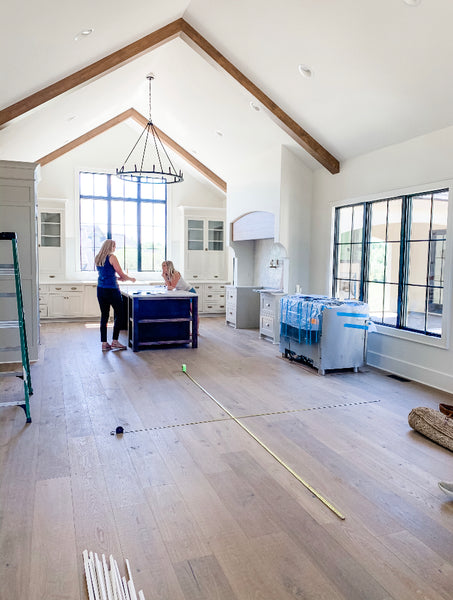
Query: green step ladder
{"type": "Point", "coordinates": [8, 272]}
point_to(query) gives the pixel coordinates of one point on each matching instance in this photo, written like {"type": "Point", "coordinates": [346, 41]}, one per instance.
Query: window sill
{"type": "Point", "coordinates": [411, 336]}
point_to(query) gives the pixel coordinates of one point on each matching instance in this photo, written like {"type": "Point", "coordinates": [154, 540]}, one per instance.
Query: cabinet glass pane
{"type": "Point", "coordinates": [215, 235]}
{"type": "Point", "coordinates": [195, 234]}
{"type": "Point", "coordinates": [51, 229]}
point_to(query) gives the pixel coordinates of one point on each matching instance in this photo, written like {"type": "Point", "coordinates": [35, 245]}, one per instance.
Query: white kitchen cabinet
{"type": "Point", "coordinates": [90, 302]}
{"type": "Point", "coordinates": [18, 213]}
{"type": "Point", "coordinates": [211, 296]}
{"type": "Point", "coordinates": [65, 301]}
{"type": "Point", "coordinates": [51, 237]}
{"type": "Point", "coordinates": [242, 307]}
{"type": "Point", "coordinates": [270, 315]}
{"type": "Point", "coordinates": [204, 244]}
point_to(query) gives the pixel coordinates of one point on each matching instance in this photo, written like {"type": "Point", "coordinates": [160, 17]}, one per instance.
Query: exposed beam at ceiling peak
{"type": "Point", "coordinates": [178, 28]}
{"type": "Point", "coordinates": [131, 113]}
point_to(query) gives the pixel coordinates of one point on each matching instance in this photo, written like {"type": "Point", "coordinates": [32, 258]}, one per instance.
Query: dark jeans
{"type": "Point", "coordinates": [110, 297]}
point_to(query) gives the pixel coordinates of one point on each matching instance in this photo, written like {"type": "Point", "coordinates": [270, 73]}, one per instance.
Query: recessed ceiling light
{"type": "Point", "coordinates": [305, 71]}
{"type": "Point", "coordinates": [413, 2]}
{"type": "Point", "coordinates": [84, 33]}
{"type": "Point", "coordinates": [71, 118]}
{"type": "Point", "coordinates": [254, 106]}
{"type": "Point", "coordinates": [219, 133]}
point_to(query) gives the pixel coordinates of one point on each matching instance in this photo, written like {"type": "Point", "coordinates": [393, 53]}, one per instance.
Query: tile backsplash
{"type": "Point", "coordinates": [269, 264]}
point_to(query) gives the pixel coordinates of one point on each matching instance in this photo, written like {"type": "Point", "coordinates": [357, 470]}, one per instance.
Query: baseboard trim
{"type": "Point", "coordinates": [414, 372]}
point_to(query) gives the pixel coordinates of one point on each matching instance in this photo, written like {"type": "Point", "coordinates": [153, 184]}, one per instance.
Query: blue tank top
{"type": "Point", "coordinates": [106, 275]}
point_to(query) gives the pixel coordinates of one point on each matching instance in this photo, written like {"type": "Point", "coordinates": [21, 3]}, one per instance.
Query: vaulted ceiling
{"type": "Point", "coordinates": [380, 75]}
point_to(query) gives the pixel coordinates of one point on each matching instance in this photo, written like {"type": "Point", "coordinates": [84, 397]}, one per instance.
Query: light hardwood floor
{"type": "Point", "coordinates": [198, 507]}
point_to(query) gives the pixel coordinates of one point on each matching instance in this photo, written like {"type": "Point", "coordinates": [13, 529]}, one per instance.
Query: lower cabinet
{"type": "Point", "coordinates": [211, 297]}
{"type": "Point", "coordinates": [61, 300]}
{"type": "Point", "coordinates": [270, 316]}
{"type": "Point", "coordinates": [243, 307]}
{"type": "Point", "coordinates": [80, 299]}
{"type": "Point", "coordinates": [65, 301]}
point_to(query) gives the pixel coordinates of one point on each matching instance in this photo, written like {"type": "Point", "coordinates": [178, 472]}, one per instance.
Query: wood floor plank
{"type": "Point", "coordinates": [53, 569]}
{"type": "Point", "coordinates": [203, 579]}
{"type": "Point", "coordinates": [176, 523]}
{"type": "Point", "coordinates": [142, 544]}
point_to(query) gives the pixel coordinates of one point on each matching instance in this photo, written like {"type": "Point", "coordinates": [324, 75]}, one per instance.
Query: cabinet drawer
{"type": "Point", "coordinates": [43, 310]}
{"type": "Point", "coordinates": [267, 326]}
{"type": "Point", "coordinates": [231, 295]}
{"type": "Point", "coordinates": [57, 289]}
{"type": "Point", "coordinates": [230, 314]}
{"type": "Point", "coordinates": [214, 296]}
{"type": "Point", "coordinates": [215, 287]}
{"type": "Point", "coordinates": [214, 307]}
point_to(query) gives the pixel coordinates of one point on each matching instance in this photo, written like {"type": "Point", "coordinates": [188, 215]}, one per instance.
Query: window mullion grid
{"type": "Point", "coordinates": [404, 262]}
{"type": "Point", "coordinates": [386, 241]}
{"type": "Point", "coordinates": [428, 261]}
{"type": "Point", "coordinates": [366, 234]}
{"type": "Point", "coordinates": [335, 252]}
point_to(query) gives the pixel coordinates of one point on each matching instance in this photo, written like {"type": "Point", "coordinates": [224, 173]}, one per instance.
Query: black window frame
{"type": "Point", "coordinates": [404, 257]}
{"type": "Point", "coordinates": [139, 201]}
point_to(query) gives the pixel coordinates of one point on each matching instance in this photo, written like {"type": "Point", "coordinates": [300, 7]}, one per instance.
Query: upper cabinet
{"type": "Point", "coordinates": [204, 244]}
{"type": "Point", "coordinates": [51, 237]}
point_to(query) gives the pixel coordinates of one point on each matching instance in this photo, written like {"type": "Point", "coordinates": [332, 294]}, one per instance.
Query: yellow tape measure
{"type": "Point", "coordinates": [278, 459]}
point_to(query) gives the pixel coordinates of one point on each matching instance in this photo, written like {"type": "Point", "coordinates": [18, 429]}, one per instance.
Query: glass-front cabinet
{"type": "Point", "coordinates": [51, 237]}
{"type": "Point", "coordinates": [50, 229]}
{"type": "Point", "coordinates": [204, 252]}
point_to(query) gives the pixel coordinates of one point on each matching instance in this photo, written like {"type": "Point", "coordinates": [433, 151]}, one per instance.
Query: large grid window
{"type": "Point", "coordinates": [391, 254]}
{"type": "Point", "coordinates": [134, 214]}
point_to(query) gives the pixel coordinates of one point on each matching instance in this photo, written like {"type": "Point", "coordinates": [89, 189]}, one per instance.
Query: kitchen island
{"type": "Point", "coordinates": [157, 317]}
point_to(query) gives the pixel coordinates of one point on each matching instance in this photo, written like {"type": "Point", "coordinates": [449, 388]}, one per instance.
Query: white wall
{"type": "Point", "coordinates": [421, 163]}
{"type": "Point", "coordinates": [277, 182]}
{"type": "Point", "coordinates": [59, 179]}
{"type": "Point", "coordinates": [295, 219]}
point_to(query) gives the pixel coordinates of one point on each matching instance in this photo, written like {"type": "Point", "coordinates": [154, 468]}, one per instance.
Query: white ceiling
{"type": "Point", "coordinates": [382, 73]}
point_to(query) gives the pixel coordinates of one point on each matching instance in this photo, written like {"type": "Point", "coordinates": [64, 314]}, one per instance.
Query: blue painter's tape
{"type": "Point", "coordinates": [356, 315]}
{"type": "Point", "coordinates": [352, 326]}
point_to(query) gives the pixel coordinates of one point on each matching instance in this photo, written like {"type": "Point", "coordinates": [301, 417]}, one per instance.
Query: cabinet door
{"type": "Point", "coordinates": [205, 249]}
{"type": "Point", "coordinates": [91, 304]}
{"type": "Point", "coordinates": [66, 304]}
{"type": "Point", "coordinates": [50, 240]}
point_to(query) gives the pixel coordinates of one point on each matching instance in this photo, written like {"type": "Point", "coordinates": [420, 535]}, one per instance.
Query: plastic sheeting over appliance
{"type": "Point", "coordinates": [325, 332]}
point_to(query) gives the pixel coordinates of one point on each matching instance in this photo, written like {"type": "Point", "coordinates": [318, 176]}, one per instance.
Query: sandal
{"type": "Point", "coordinates": [446, 409]}
{"type": "Point", "coordinates": [117, 346]}
{"type": "Point", "coordinates": [106, 346]}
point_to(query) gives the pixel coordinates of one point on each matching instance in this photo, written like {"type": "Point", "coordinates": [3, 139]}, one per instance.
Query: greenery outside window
{"type": "Point", "coordinates": [391, 254]}
{"type": "Point", "coordinates": [134, 214]}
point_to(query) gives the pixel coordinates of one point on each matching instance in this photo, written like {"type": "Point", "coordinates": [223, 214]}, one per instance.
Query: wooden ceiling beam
{"type": "Point", "coordinates": [180, 28]}
{"type": "Point", "coordinates": [131, 113]}
{"type": "Point", "coordinates": [93, 71]}
{"type": "Point", "coordinates": [290, 126]}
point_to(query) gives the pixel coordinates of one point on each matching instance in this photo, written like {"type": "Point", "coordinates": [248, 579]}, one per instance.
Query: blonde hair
{"type": "Point", "coordinates": [170, 268]}
{"type": "Point", "coordinates": [107, 248]}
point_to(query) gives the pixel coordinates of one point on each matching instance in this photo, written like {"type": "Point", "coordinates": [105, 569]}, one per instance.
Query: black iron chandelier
{"type": "Point", "coordinates": [148, 160]}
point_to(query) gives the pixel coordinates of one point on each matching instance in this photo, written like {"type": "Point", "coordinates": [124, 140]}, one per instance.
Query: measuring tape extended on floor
{"type": "Point", "coordinates": [277, 458]}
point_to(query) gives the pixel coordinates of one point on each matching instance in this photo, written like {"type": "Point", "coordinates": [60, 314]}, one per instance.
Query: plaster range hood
{"type": "Point", "coordinates": [257, 225]}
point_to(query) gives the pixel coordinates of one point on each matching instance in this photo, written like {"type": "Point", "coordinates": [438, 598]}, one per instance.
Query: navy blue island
{"type": "Point", "coordinates": [157, 317]}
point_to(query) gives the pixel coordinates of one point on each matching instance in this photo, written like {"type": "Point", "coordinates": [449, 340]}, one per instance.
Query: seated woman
{"type": "Point", "coordinates": [173, 279]}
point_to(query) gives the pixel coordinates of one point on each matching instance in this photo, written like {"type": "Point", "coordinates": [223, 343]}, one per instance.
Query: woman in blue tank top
{"type": "Point", "coordinates": [108, 292]}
